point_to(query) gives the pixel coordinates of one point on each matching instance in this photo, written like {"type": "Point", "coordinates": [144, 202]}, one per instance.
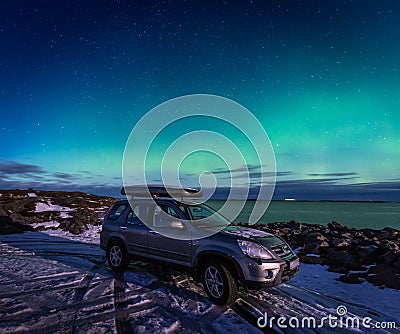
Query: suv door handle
{"type": "Point", "coordinates": [153, 232]}
{"type": "Point", "coordinates": [122, 227]}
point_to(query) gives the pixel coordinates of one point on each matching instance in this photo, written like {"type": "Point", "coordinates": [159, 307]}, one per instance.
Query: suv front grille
{"type": "Point", "coordinates": [282, 250]}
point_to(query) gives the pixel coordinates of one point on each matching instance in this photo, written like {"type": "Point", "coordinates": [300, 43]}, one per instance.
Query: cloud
{"type": "Point", "coordinates": [254, 172]}
{"type": "Point", "coordinates": [328, 189]}
{"type": "Point", "coordinates": [322, 186]}
{"type": "Point", "coordinates": [191, 175]}
{"type": "Point", "coordinates": [19, 175]}
{"type": "Point", "coordinates": [258, 175]}
{"type": "Point", "coordinates": [12, 168]}
{"type": "Point", "coordinates": [312, 189]}
{"type": "Point", "coordinates": [334, 174]}
{"type": "Point", "coordinates": [236, 170]}
{"type": "Point", "coordinates": [90, 174]}
{"type": "Point", "coordinates": [65, 176]}
{"type": "Point", "coordinates": [102, 189]}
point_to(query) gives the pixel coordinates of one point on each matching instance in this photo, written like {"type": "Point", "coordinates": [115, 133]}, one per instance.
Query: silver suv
{"type": "Point", "coordinates": [231, 258]}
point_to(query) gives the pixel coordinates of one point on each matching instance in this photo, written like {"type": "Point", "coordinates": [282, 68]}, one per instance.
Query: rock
{"type": "Point", "coordinates": [306, 231]}
{"type": "Point", "coordinates": [340, 270]}
{"type": "Point", "coordinates": [350, 278]}
{"type": "Point", "coordinates": [295, 226]}
{"type": "Point", "coordinates": [360, 242]}
{"type": "Point", "coordinates": [311, 259]}
{"type": "Point", "coordinates": [314, 237]}
{"type": "Point", "coordinates": [387, 245]}
{"type": "Point", "coordinates": [384, 275]}
{"type": "Point", "coordinates": [339, 242]}
{"type": "Point", "coordinates": [396, 265]}
{"type": "Point", "coordinates": [315, 247]}
{"type": "Point", "coordinates": [359, 235]}
{"type": "Point", "coordinates": [342, 258]}
{"type": "Point", "coordinates": [72, 225]}
{"type": "Point", "coordinates": [314, 241]}
{"type": "Point", "coordinates": [368, 232]}
{"type": "Point", "coordinates": [8, 226]}
{"type": "Point", "coordinates": [335, 225]}
{"type": "Point", "coordinates": [390, 256]}
{"type": "Point", "coordinates": [334, 234]}
{"type": "Point", "coordinates": [368, 251]}
{"type": "Point", "coordinates": [391, 230]}
{"type": "Point", "coordinates": [338, 226]}
{"type": "Point", "coordinates": [6, 220]}
{"type": "Point", "coordinates": [387, 234]}
{"type": "Point", "coordinates": [285, 230]}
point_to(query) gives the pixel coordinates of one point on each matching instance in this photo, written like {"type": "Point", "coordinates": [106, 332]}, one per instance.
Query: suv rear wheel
{"type": "Point", "coordinates": [117, 256]}
{"type": "Point", "coordinates": [219, 284]}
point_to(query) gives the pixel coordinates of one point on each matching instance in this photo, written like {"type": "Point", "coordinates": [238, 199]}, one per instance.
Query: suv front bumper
{"type": "Point", "coordinates": [269, 274]}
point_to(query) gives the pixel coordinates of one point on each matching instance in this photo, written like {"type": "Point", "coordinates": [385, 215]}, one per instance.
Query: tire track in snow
{"type": "Point", "coordinates": [122, 322]}
{"type": "Point", "coordinates": [78, 297]}
{"type": "Point", "coordinates": [179, 285]}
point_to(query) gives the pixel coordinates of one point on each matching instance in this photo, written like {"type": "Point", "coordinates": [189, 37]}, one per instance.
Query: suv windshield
{"type": "Point", "coordinates": [202, 215]}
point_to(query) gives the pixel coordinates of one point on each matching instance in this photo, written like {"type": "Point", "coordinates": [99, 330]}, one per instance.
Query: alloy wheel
{"type": "Point", "coordinates": [214, 282]}
{"type": "Point", "coordinates": [115, 255]}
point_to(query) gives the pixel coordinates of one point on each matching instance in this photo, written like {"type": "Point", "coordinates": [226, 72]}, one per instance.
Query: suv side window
{"type": "Point", "coordinates": [162, 221]}
{"type": "Point", "coordinates": [141, 214]}
{"type": "Point", "coordinates": [170, 210]}
{"type": "Point", "coordinates": [199, 212]}
{"type": "Point", "coordinates": [116, 211]}
{"type": "Point", "coordinates": [132, 218]}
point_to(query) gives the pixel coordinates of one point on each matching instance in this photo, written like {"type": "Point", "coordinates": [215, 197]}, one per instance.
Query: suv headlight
{"type": "Point", "coordinates": [254, 250]}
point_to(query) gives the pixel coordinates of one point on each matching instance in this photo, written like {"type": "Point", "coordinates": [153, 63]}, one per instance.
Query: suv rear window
{"type": "Point", "coordinates": [116, 211]}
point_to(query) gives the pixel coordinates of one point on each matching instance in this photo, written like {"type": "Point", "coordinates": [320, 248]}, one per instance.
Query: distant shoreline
{"type": "Point", "coordinates": [310, 201]}
{"type": "Point", "coordinates": [212, 199]}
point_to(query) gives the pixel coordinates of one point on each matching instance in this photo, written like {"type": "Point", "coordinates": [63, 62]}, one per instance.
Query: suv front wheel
{"type": "Point", "coordinates": [117, 256]}
{"type": "Point", "coordinates": [219, 284]}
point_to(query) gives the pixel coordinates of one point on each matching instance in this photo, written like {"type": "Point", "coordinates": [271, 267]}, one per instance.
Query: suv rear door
{"type": "Point", "coordinates": [165, 248]}
{"type": "Point", "coordinates": [135, 231]}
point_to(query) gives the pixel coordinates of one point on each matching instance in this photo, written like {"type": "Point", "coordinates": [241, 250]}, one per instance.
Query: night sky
{"type": "Point", "coordinates": [323, 78]}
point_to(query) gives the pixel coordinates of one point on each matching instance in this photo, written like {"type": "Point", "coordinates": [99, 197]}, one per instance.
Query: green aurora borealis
{"type": "Point", "coordinates": [322, 77]}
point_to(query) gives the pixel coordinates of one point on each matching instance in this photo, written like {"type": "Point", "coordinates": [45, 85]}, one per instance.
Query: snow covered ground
{"type": "Point", "coordinates": [48, 206]}
{"type": "Point", "coordinates": [42, 207]}
{"type": "Point", "coordinates": [57, 282]}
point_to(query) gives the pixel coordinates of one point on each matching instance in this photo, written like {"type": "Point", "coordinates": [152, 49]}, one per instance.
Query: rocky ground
{"type": "Point", "coordinates": [358, 254]}
{"type": "Point", "coordinates": [50, 283]}
{"type": "Point", "coordinates": [28, 210]}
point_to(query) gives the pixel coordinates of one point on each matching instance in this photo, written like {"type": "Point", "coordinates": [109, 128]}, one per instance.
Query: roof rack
{"type": "Point", "coordinates": [160, 191]}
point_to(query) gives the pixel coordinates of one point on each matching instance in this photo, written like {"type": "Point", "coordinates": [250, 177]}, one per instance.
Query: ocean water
{"type": "Point", "coordinates": [356, 214]}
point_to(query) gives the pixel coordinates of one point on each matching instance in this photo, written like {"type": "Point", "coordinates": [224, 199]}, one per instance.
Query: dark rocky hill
{"type": "Point", "coordinates": [22, 210]}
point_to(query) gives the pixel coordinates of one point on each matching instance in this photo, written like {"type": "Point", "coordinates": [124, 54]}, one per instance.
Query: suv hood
{"type": "Point", "coordinates": [245, 232]}
{"type": "Point", "coordinates": [263, 238]}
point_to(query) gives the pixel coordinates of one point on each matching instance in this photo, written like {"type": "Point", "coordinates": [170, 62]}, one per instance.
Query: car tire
{"type": "Point", "coordinates": [219, 284]}
{"type": "Point", "coordinates": [117, 256]}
